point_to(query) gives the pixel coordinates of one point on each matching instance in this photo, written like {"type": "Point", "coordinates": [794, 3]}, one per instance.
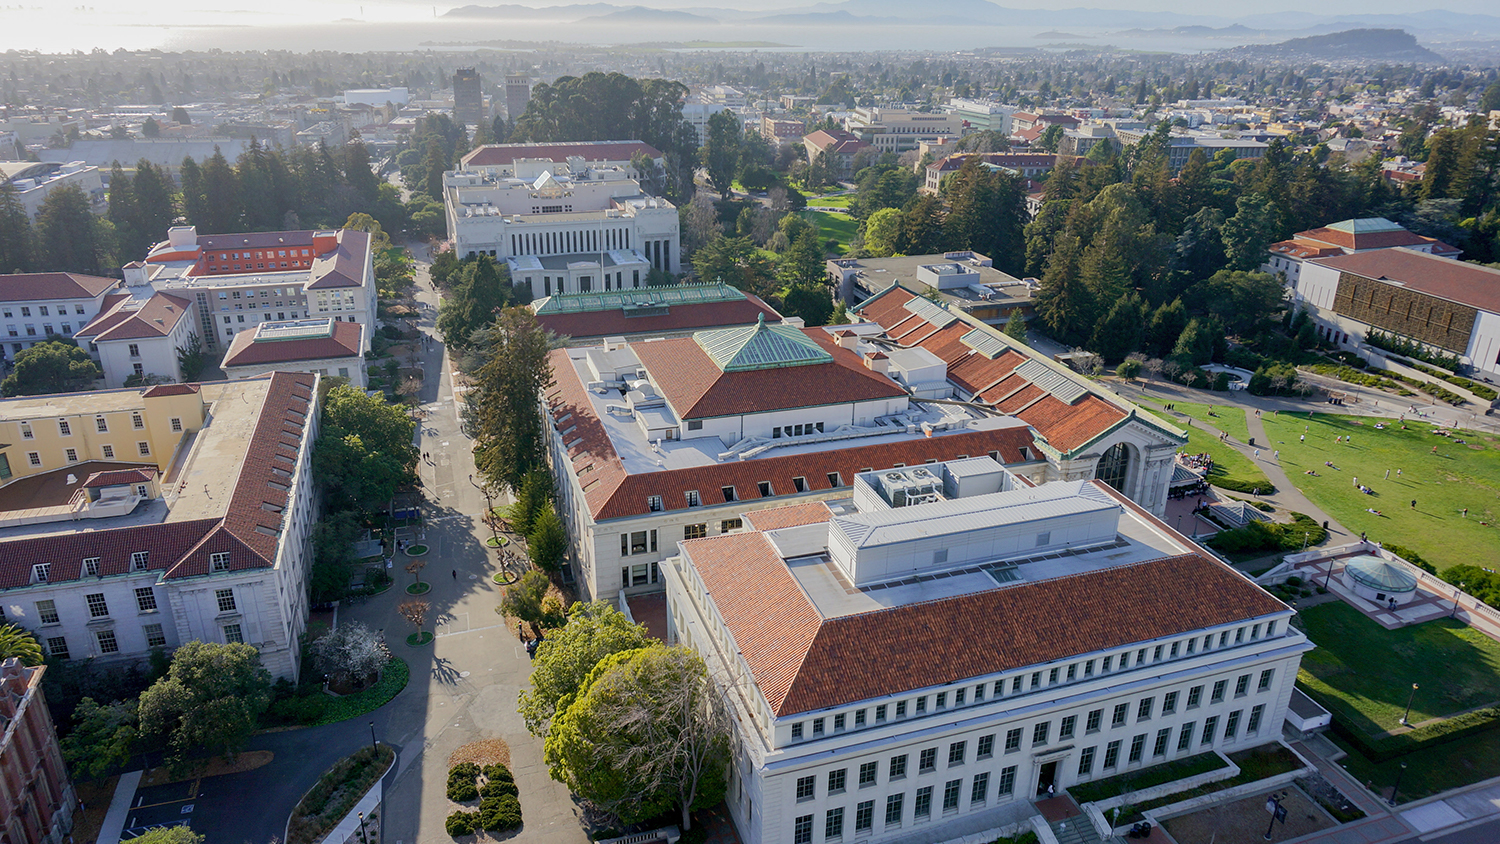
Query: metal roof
{"type": "Point", "coordinates": [1377, 573]}
{"type": "Point", "coordinates": [961, 515]}
{"type": "Point", "coordinates": [984, 342]}
{"type": "Point", "coordinates": [930, 311]}
{"type": "Point", "coordinates": [760, 346]}
{"type": "Point", "coordinates": [682, 294]}
{"type": "Point", "coordinates": [1065, 389]}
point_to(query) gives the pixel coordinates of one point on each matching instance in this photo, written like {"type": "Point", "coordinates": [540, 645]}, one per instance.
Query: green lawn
{"type": "Point", "coordinates": [833, 226]}
{"type": "Point", "coordinates": [831, 201]}
{"type": "Point", "coordinates": [1432, 769]}
{"type": "Point", "coordinates": [1225, 418]}
{"type": "Point", "coordinates": [1363, 672]}
{"type": "Point", "coordinates": [1442, 484]}
{"type": "Point", "coordinates": [1232, 470]}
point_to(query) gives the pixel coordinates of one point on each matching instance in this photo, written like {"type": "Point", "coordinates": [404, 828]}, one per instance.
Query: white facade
{"type": "Point", "coordinates": [563, 229]}
{"type": "Point", "coordinates": [376, 96]}
{"type": "Point", "coordinates": [939, 760]}
{"type": "Point", "coordinates": [982, 115]}
{"type": "Point", "coordinates": [139, 345]}
{"type": "Point", "coordinates": [35, 181]}
{"type": "Point", "coordinates": [28, 321]}
{"type": "Point", "coordinates": [898, 130]}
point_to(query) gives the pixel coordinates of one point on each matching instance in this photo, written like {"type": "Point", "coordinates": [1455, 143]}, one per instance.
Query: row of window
{"type": "Point", "coordinates": [265, 317]}
{"type": "Point", "coordinates": [101, 423]}
{"type": "Point", "coordinates": [139, 561]}
{"type": "Point", "coordinates": [106, 451]}
{"type": "Point", "coordinates": [42, 310]}
{"type": "Point", "coordinates": [1032, 681]}
{"type": "Point", "coordinates": [1185, 733]}
{"type": "Point", "coordinates": [145, 601]}
{"type": "Point", "coordinates": [47, 330]}
{"type": "Point", "coordinates": [106, 642]}
{"type": "Point", "coordinates": [895, 806]}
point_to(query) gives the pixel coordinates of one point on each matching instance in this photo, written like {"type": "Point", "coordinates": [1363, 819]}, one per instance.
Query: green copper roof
{"type": "Point", "coordinates": [1376, 573]}
{"type": "Point", "coordinates": [1366, 225]}
{"type": "Point", "coordinates": [644, 297]}
{"type": "Point", "coordinates": [760, 346]}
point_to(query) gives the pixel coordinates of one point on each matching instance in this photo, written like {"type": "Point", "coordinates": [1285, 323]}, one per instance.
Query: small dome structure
{"type": "Point", "coordinates": [1379, 580]}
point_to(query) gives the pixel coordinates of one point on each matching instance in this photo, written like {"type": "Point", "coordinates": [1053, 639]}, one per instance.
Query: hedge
{"type": "Point", "coordinates": [1410, 348]}
{"type": "Point", "coordinates": [461, 782]}
{"type": "Point", "coordinates": [1270, 536]}
{"type": "Point", "coordinates": [1386, 748]}
{"type": "Point", "coordinates": [336, 792]}
{"type": "Point", "coordinates": [1486, 393]}
{"type": "Point", "coordinates": [1181, 769]}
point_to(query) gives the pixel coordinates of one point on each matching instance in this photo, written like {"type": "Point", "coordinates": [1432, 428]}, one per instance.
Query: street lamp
{"type": "Point", "coordinates": [374, 745]}
{"type": "Point", "coordinates": [1409, 699]}
{"type": "Point", "coordinates": [1273, 805]}
{"type": "Point", "coordinates": [489, 510]}
{"type": "Point", "coordinates": [1397, 787]}
{"type": "Point", "coordinates": [362, 837]}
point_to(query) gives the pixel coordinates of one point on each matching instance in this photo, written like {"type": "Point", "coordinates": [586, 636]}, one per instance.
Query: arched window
{"type": "Point", "coordinates": [1114, 466]}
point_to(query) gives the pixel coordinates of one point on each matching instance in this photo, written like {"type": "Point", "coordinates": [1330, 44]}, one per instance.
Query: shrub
{"type": "Point", "coordinates": [500, 814]}
{"type": "Point", "coordinates": [462, 823]}
{"type": "Point", "coordinates": [498, 771]}
{"type": "Point", "coordinates": [498, 788]}
{"type": "Point", "coordinates": [1390, 747]}
{"type": "Point", "coordinates": [1129, 369]}
{"type": "Point", "coordinates": [462, 785]}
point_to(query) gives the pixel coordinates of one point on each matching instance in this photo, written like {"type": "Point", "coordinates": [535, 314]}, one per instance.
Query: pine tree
{"type": "Point", "coordinates": [1121, 330]}
{"type": "Point", "coordinates": [124, 212]}
{"type": "Point", "coordinates": [221, 196]}
{"type": "Point", "coordinates": [1063, 302]}
{"type": "Point", "coordinates": [69, 237]}
{"type": "Point", "coordinates": [155, 202]}
{"type": "Point", "coordinates": [194, 203]}
{"type": "Point", "coordinates": [17, 239]}
{"type": "Point", "coordinates": [1015, 325]}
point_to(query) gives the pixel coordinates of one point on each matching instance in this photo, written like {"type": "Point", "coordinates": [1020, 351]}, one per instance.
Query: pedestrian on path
{"type": "Point", "coordinates": [1302, 439]}
{"type": "Point", "coordinates": [1257, 454]}
{"type": "Point", "coordinates": [1276, 454]}
{"type": "Point", "coordinates": [455, 574]}
{"type": "Point", "coordinates": [1387, 474]}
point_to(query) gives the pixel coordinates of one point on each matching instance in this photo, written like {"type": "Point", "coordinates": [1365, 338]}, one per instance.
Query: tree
{"type": "Point", "coordinates": [103, 737]}
{"type": "Point", "coordinates": [151, 129]}
{"type": "Point", "coordinates": [415, 611]}
{"type": "Point", "coordinates": [168, 835]}
{"type": "Point", "coordinates": [69, 236]}
{"type": "Point", "coordinates": [180, 116]}
{"type": "Point", "coordinates": [804, 261]}
{"type": "Point", "coordinates": [1244, 302]}
{"type": "Point", "coordinates": [1165, 326]}
{"type": "Point", "coordinates": [220, 210]}
{"type": "Point", "coordinates": [721, 151]}
{"type": "Point", "coordinates": [155, 205]}
{"type": "Point", "coordinates": [1015, 325]}
{"type": "Point", "coordinates": [123, 212]}
{"type": "Point", "coordinates": [595, 629]}
{"type": "Point", "coordinates": [17, 642]}
{"type": "Point", "coordinates": [534, 496]}
{"type": "Point", "coordinates": [333, 541]}
{"type": "Point", "coordinates": [547, 542]}
{"type": "Point", "coordinates": [364, 451]}
{"type": "Point", "coordinates": [482, 289]}
{"type": "Point", "coordinates": [209, 702]}
{"type": "Point", "coordinates": [811, 302]}
{"type": "Point", "coordinates": [514, 371]}
{"type": "Point", "coordinates": [1122, 328]}
{"type": "Point", "coordinates": [736, 262]}
{"type": "Point", "coordinates": [53, 366]}
{"type": "Point", "coordinates": [882, 232]}
{"type": "Point", "coordinates": [921, 227]}
{"type": "Point", "coordinates": [1250, 232]}
{"type": "Point", "coordinates": [647, 732]}
{"type": "Point", "coordinates": [523, 600]}
{"type": "Point", "coordinates": [16, 235]}
{"type": "Point", "coordinates": [351, 651]}
{"type": "Point", "coordinates": [700, 225]}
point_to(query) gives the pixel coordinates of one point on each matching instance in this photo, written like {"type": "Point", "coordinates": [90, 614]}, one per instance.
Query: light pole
{"type": "Point", "coordinates": [489, 510]}
{"type": "Point", "coordinates": [362, 837]}
{"type": "Point", "coordinates": [1273, 805]}
{"type": "Point", "coordinates": [1397, 787]}
{"type": "Point", "coordinates": [374, 745]}
{"type": "Point", "coordinates": [1409, 699]}
{"type": "Point", "coordinates": [1456, 593]}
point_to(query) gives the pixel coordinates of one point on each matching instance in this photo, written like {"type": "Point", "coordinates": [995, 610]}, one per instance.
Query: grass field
{"type": "Point", "coordinates": [1432, 769]}
{"type": "Point", "coordinates": [1225, 418]}
{"type": "Point", "coordinates": [833, 226]}
{"type": "Point", "coordinates": [1457, 476]}
{"type": "Point", "coordinates": [831, 201]}
{"type": "Point", "coordinates": [1364, 672]}
{"type": "Point", "coordinates": [1231, 468]}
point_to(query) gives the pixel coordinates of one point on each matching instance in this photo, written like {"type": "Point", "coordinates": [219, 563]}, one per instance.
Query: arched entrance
{"type": "Point", "coordinates": [1114, 466]}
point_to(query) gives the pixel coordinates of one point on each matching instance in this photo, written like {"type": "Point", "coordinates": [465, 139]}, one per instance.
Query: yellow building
{"type": "Point", "coordinates": [45, 433]}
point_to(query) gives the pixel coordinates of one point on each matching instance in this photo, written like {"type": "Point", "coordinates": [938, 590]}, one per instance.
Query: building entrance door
{"type": "Point", "coordinates": [1046, 777]}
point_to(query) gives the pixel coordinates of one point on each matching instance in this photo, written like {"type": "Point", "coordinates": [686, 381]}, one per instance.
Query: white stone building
{"type": "Point", "coordinates": [899, 129]}
{"type": "Point", "coordinates": [661, 440]}
{"type": "Point", "coordinates": [139, 333]}
{"type": "Point", "coordinates": [241, 280]}
{"type": "Point", "coordinates": [34, 180]}
{"type": "Point", "coordinates": [919, 663]}
{"type": "Point", "coordinates": [565, 227]}
{"type": "Point", "coordinates": [321, 346]}
{"type": "Point", "coordinates": [36, 305]}
{"type": "Point", "coordinates": [1345, 238]}
{"type": "Point", "coordinates": [220, 554]}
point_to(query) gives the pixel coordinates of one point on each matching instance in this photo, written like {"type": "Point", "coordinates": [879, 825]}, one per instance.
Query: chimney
{"type": "Point", "coordinates": [325, 242]}
{"type": "Point", "coordinates": [878, 362]}
{"type": "Point", "coordinates": [847, 339]}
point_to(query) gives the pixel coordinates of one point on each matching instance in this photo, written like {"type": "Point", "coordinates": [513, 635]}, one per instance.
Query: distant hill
{"type": "Point", "coordinates": [641, 14]}
{"type": "Point", "coordinates": [513, 12]}
{"type": "Point", "coordinates": [839, 18]}
{"type": "Point", "coordinates": [1232, 31]}
{"type": "Point", "coordinates": [1392, 45]}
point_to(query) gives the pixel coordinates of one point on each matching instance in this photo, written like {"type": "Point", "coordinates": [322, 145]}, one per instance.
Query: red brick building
{"type": "Point", "coordinates": [36, 798]}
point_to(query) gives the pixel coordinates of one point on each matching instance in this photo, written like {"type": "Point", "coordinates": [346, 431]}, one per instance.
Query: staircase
{"type": "Point", "coordinates": [1075, 830]}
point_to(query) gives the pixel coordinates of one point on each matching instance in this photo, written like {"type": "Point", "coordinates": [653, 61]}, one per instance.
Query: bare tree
{"type": "Point", "coordinates": [1278, 381]}
{"type": "Point", "coordinates": [1154, 366]}
{"type": "Point", "coordinates": [352, 650]}
{"type": "Point", "coordinates": [414, 568]}
{"type": "Point", "coordinates": [1192, 376]}
{"type": "Point", "coordinates": [415, 611]}
{"type": "Point", "coordinates": [1172, 368]}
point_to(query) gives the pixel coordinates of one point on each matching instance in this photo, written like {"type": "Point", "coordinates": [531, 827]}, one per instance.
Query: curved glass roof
{"type": "Point", "coordinates": [760, 346]}
{"type": "Point", "coordinates": [1380, 574]}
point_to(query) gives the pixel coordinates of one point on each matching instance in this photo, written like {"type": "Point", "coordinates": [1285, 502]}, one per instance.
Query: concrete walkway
{"type": "Point", "coordinates": [350, 826]}
{"type": "Point", "coordinates": [119, 808]}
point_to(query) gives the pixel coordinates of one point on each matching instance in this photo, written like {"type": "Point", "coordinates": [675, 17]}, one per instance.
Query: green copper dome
{"type": "Point", "coordinates": [760, 346]}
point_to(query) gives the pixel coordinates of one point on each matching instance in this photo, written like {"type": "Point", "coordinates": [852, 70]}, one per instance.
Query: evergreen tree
{"type": "Point", "coordinates": [69, 236]}
{"type": "Point", "coordinates": [1064, 303]}
{"type": "Point", "coordinates": [1250, 232]}
{"type": "Point", "coordinates": [803, 263]}
{"type": "Point", "coordinates": [483, 288]}
{"type": "Point", "coordinates": [1165, 326]}
{"type": "Point", "coordinates": [221, 197]}
{"type": "Point", "coordinates": [194, 202]}
{"type": "Point", "coordinates": [17, 240]}
{"type": "Point", "coordinates": [513, 370]}
{"type": "Point", "coordinates": [1121, 330]}
{"type": "Point", "coordinates": [358, 173]}
{"type": "Point", "coordinates": [812, 302]}
{"type": "Point", "coordinates": [124, 212]}
{"type": "Point", "coordinates": [155, 203]}
{"type": "Point", "coordinates": [922, 227]}
{"type": "Point", "coordinates": [1015, 325]}
{"type": "Point", "coordinates": [721, 151]}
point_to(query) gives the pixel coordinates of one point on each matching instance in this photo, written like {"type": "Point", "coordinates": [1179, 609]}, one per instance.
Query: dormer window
{"type": "Point", "coordinates": [653, 503]}
{"type": "Point", "coordinates": [729, 493]}
{"type": "Point", "coordinates": [138, 560]}
{"type": "Point", "coordinates": [765, 489]}
{"type": "Point", "coordinates": [218, 561]}
{"type": "Point", "coordinates": [692, 498]}
{"type": "Point", "coordinates": [91, 567]}
{"type": "Point", "coordinates": [39, 572]}
{"type": "Point", "coordinates": [835, 480]}
{"type": "Point", "coordinates": [800, 484]}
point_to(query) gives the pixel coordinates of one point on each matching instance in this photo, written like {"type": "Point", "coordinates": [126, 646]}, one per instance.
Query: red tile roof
{"type": "Point", "coordinates": [1456, 281]}
{"type": "Point", "coordinates": [612, 493]}
{"type": "Point", "coordinates": [250, 528]}
{"type": "Point", "coordinates": [26, 287]}
{"type": "Point", "coordinates": [803, 662]}
{"type": "Point", "coordinates": [697, 389]}
{"type": "Point", "coordinates": [120, 477]}
{"type": "Point", "coordinates": [1363, 240]}
{"type": "Point", "coordinates": [494, 155]}
{"type": "Point", "coordinates": [344, 266]}
{"type": "Point", "coordinates": [246, 350]}
{"type": "Point", "coordinates": [157, 317]}
{"type": "Point", "coordinates": [792, 515]}
{"type": "Point", "coordinates": [170, 390]}
{"type": "Point", "coordinates": [678, 318]}
{"type": "Point", "coordinates": [1066, 427]}
{"type": "Point", "coordinates": [257, 240]}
